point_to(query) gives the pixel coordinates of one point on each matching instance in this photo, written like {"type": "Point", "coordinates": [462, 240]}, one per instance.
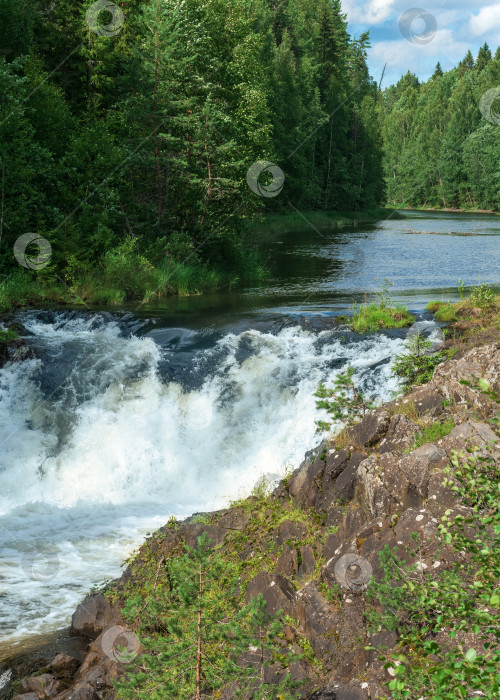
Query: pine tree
{"type": "Point", "coordinates": [483, 57]}
{"type": "Point", "coordinates": [198, 638]}
{"type": "Point", "coordinates": [466, 64]}
{"type": "Point", "coordinates": [438, 71]}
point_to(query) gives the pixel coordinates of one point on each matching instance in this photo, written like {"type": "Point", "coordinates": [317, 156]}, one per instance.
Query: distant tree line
{"type": "Point", "coordinates": [442, 137]}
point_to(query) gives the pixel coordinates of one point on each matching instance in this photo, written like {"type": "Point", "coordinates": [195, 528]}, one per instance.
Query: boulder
{"type": "Point", "coordinates": [288, 562]}
{"type": "Point", "coordinates": [64, 666]}
{"type": "Point", "coordinates": [417, 465]}
{"type": "Point", "coordinates": [332, 632]}
{"type": "Point", "coordinates": [342, 490]}
{"type": "Point", "coordinates": [308, 561]}
{"type": "Point", "coordinates": [289, 533]}
{"type": "Point", "coordinates": [370, 429]}
{"type": "Point", "coordinates": [469, 434]}
{"type": "Point", "coordinates": [304, 483]}
{"type": "Point", "coordinates": [371, 491]}
{"type": "Point", "coordinates": [192, 531]}
{"type": "Point", "coordinates": [80, 691]}
{"type": "Point", "coordinates": [92, 615]}
{"type": "Point", "coordinates": [339, 691]}
{"type": "Point", "coordinates": [428, 400]}
{"type": "Point", "coordinates": [400, 434]}
{"type": "Point", "coordinates": [480, 362]}
{"type": "Point", "coordinates": [45, 686]}
{"type": "Point", "coordinates": [276, 590]}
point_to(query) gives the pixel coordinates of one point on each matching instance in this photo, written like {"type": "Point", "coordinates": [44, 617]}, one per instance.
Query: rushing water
{"type": "Point", "coordinates": [124, 419]}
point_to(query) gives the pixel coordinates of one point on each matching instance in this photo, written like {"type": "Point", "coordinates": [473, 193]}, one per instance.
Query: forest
{"type": "Point", "coordinates": [127, 132]}
{"type": "Point", "coordinates": [130, 133]}
{"type": "Point", "coordinates": [441, 137]}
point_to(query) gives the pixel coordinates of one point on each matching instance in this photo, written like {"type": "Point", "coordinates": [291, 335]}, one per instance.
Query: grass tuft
{"type": "Point", "coordinates": [373, 317]}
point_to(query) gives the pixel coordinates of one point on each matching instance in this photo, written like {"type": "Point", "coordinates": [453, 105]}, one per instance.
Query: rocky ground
{"type": "Point", "coordinates": [311, 546]}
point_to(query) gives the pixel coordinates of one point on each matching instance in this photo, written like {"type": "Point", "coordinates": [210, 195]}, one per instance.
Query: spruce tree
{"type": "Point", "coordinates": [198, 637]}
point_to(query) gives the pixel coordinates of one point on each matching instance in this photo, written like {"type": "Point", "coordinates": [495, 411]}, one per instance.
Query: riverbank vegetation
{"type": "Point", "coordinates": [441, 137]}
{"type": "Point", "coordinates": [380, 313]}
{"type": "Point", "coordinates": [126, 138]}
{"type": "Point", "coordinates": [473, 320]}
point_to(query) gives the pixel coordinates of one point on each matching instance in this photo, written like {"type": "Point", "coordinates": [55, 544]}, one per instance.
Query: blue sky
{"type": "Point", "coordinates": [455, 26]}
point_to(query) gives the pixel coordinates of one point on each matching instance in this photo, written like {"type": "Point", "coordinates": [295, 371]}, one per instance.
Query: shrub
{"type": "Point", "coordinates": [416, 366]}
{"type": "Point", "coordinates": [464, 598]}
{"type": "Point", "coordinates": [345, 402]}
{"type": "Point", "coordinates": [195, 638]}
{"type": "Point", "coordinates": [8, 336]}
{"type": "Point", "coordinates": [482, 296]}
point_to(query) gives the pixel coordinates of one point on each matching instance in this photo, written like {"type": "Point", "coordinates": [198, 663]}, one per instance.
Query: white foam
{"type": "Point", "coordinates": [85, 471]}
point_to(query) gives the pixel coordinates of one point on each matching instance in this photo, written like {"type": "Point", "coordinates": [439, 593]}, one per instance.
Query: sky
{"type": "Point", "coordinates": [416, 37]}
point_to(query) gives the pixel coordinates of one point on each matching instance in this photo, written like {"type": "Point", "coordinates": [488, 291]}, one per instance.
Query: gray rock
{"type": "Point", "coordinates": [92, 615]}
{"type": "Point", "coordinates": [370, 429]}
{"type": "Point", "coordinates": [44, 685]}
{"type": "Point", "coordinates": [308, 563]}
{"type": "Point", "coordinates": [64, 666]}
{"type": "Point", "coordinates": [276, 590]}
{"type": "Point", "coordinates": [288, 562]}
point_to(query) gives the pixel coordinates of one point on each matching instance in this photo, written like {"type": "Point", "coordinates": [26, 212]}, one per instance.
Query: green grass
{"type": "Point", "coordinates": [446, 312]}
{"type": "Point", "coordinates": [8, 336]}
{"type": "Point", "coordinates": [374, 317]}
{"type": "Point", "coordinates": [433, 432]}
{"type": "Point", "coordinates": [123, 275]}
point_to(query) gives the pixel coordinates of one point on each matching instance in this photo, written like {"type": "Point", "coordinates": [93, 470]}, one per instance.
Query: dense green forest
{"type": "Point", "coordinates": [442, 137]}
{"type": "Point", "coordinates": [127, 131]}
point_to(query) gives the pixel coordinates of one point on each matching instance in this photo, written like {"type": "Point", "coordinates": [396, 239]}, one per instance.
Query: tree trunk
{"type": "Point", "coordinates": [198, 654]}
{"type": "Point", "coordinates": [155, 118]}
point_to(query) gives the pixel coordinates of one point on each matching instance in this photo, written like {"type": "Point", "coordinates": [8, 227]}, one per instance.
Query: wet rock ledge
{"type": "Point", "coordinates": [311, 546]}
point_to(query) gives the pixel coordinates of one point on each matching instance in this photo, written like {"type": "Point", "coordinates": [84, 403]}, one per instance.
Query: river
{"type": "Point", "coordinates": [127, 417]}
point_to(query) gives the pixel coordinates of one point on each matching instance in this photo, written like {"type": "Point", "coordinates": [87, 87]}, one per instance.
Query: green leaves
{"type": "Point", "coordinates": [461, 600]}
{"type": "Point", "coordinates": [345, 402]}
{"type": "Point", "coordinates": [186, 625]}
{"type": "Point", "coordinates": [471, 655]}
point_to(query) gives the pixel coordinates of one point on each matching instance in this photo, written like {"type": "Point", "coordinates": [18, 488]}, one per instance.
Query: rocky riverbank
{"type": "Point", "coordinates": [311, 546]}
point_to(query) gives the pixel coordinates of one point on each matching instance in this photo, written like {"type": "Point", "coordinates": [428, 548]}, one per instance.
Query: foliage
{"type": "Point", "coordinates": [375, 317]}
{"type": "Point", "coordinates": [8, 336]}
{"type": "Point", "coordinates": [482, 295]}
{"type": "Point", "coordinates": [439, 149]}
{"type": "Point", "coordinates": [416, 366]}
{"type": "Point", "coordinates": [130, 153]}
{"type": "Point", "coordinates": [433, 432]}
{"type": "Point", "coordinates": [196, 640]}
{"type": "Point", "coordinates": [345, 402]}
{"type": "Point", "coordinates": [432, 611]}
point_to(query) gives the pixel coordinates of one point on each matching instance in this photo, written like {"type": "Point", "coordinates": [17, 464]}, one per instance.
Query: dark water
{"type": "Point", "coordinates": [315, 272]}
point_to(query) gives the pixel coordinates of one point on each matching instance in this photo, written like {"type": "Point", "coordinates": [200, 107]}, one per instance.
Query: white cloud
{"type": "Point", "coordinates": [403, 53]}
{"type": "Point", "coordinates": [371, 12]}
{"type": "Point", "coordinates": [487, 20]}
{"type": "Point", "coordinates": [401, 56]}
